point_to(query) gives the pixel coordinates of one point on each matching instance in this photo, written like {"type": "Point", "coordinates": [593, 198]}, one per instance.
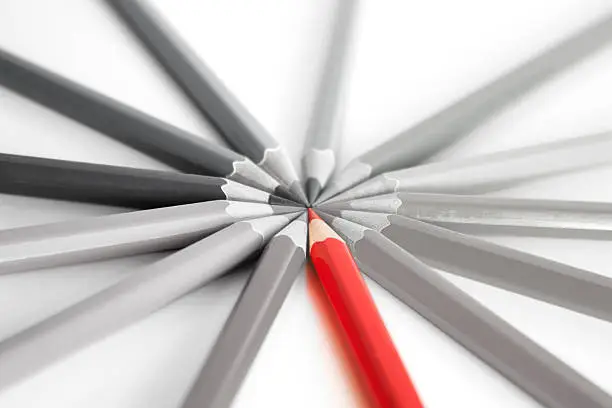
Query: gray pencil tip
{"type": "Point", "coordinates": [336, 212]}
{"type": "Point", "coordinates": [313, 189]}
{"type": "Point", "coordinates": [282, 191]}
{"type": "Point", "coordinates": [331, 207]}
{"type": "Point", "coordinates": [354, 173]}
{"type": "Point", "coordinates": [269, 226]}
{"type": "Point", "coordinates": [276, 200]}
{"type": "Point", "coordinates": [349, 231]}
{"type": "Point", "coordinates": [298, 192]}
{"type": "Point", "coordinates": [370, 220]}
{"type": "Point", "coordinates": [327, 217]}
{"type": "Point", "coordinates": [286, 209]}
{"type": "Point", "coordinates": [297, 230]}
{"type": "Point", "coordinates": [344, 196]}
{"type": "Point", "coordinates": [326, 194]}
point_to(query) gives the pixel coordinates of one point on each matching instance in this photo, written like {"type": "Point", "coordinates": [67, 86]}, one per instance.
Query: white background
{"type": "Point", "coordinates": [410, 58]}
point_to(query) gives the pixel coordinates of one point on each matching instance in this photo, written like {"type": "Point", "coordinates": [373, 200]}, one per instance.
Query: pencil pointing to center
{"type": "Point", "coordinates": [363, 327]}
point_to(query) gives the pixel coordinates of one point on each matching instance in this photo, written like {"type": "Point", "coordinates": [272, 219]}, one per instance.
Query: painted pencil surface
{"type": "Point", "coordinates": [365, 331]}
{"type": "Point", "coordinates": [177, 148]}
{"type": "Point", "coordinates": [433, 134]}
{"type": "Point", "coordinates": [482, 213]}
{"type": "Point", "coordinates": [319, 159]}
{"type": "Point", "coordinates": [141, 293]}
{"type": "Point", "coordinates": [250, 320]}
{"type": "Point", "coordinates": [116, 185]}
{"type": "Point", "coordinates": [490, 172]}
{"type": "Point", "coordinates": [522, 361]}
{"type": "Point", "coordinates": [96, 238]}
{"type": "Point", "coordinates": [520, 272]}
{"type": "Point", "coordinates": [208, 93]}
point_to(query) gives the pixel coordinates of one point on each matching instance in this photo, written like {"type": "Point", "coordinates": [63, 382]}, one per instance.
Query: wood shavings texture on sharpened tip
{"type": "Point", "coordinates": [366, 334]}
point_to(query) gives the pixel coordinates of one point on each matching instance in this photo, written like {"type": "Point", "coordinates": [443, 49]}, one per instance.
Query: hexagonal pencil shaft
{"type": "Point", "coordinates": [450, 124]}
{"type": "Point", "coordinates": [209, 94]}
{"type": "Point", "coordinates": [319, 157]}
{"type": "Point", "coordinates": [171, 145]}
{"type": "Point", "coordinates": [493, 214]}
{"type": "Point", "coordinates": [520, 272]}
{"type": "Point", "coordinates": [490, 172]}
{"type": "Point", "coordinates": [141, 293]}
{"type": "Point", "coordinates": [96, 238]}
{"type": "Point", "coordinates": [116, 185]}
{"type": "Point", "coordinates": [250, 320]}
{"type": "Point", "coordinates": [522, 361]}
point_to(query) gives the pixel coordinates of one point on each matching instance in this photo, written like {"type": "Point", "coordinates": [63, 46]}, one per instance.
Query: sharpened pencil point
{"type": "Point", "coordinates": [313, 189]}
{"type": "Point", "coordinates": [298, 192]}
{"type": "Point", "coordinates": [327, 206]}
{"type": "Point", "coordinates": [276, 200]}
{"type": "Point", "coordinates": [318, 230]}
{"type": "Point", "coordinates": [312, 215]}
{"type": "Point", "coordinates": [284, 192]}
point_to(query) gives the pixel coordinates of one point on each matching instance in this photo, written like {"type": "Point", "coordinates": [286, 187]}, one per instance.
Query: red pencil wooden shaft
{"type": "Point", "coordinates": [362, 324]}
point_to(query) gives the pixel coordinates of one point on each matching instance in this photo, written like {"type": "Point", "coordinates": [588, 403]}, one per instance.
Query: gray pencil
{"type": "Point", "coordinates": [96, 238]}
{"type": "Point", "coordinates": [530, 275]}
{"type": "Point", "coordinates": [490, 172]}
{"type": "Point", "coordinates": [250, 320]}
{"type": "Point", "coordinates": [141, 293]}
{"type": "Point", "coordinates": [431, 135]}
{"type": "Point", "coordinates": [532, 368]}
{"type": "Point", "coordinates": [180, 149]}
{"type": "Point", "coordinates": [208, 93]}
{"type": "Point", "coordinates": [120, 186]}
{"type": "Point", "coordinates": [319, 159]}
{"type": "Point", "coordinates": [494, 214]}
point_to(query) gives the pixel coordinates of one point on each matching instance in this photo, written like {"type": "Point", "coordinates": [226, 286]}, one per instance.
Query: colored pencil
{"type": "Point", "coordinates": [120, 186]}
{"type": "Point", "coordinates": [319, 158]}
{"type": "Point", "coordinates": [176, 147]}
{"type": "Point", "coordinates": [490, 172]}
{"type": "Point", "coordinates": [234, 122]}
{"type": "Point", "coordinates": [517, 271]}
{"type": "Point", "coordinates": [445, 127]}
{"type": "Point", "coordinates": [365, 331]}
{"type": "Point", "coordinates": [96, 238]}
{"type": "Point", "coordinates": [141, 293]}
{"type": "Point", "coordinates": [494, 214]}
{"type": "Point", "coordinates": [532, 368]}
{"type": "Point", "coordinates": [251, 319]}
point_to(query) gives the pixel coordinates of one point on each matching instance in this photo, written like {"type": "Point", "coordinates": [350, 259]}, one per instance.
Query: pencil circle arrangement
{"type": "Point", "coordinates": [390, 214]}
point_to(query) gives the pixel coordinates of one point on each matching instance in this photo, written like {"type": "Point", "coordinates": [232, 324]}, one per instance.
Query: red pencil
{"type": "Point", "coordinates": [365, 331]}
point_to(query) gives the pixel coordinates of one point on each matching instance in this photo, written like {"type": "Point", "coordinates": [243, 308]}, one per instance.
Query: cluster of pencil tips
{"type": "Point", "coordinates": [390, 214]}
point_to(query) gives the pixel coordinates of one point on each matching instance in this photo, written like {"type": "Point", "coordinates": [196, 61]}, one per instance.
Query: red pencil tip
{"type": "Point", "coordinates": [312, 215]}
